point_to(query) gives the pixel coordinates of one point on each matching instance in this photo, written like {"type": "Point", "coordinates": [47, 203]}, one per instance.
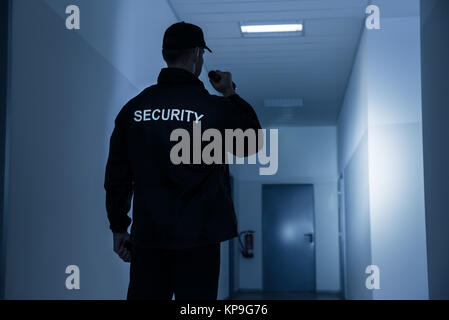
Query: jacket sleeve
{"type": "Point", "coordinates": [118, 179]}
{"type": "Point", "coordinates": [242, 114]}
{"type": "Point", "coordinates": [239, 114]}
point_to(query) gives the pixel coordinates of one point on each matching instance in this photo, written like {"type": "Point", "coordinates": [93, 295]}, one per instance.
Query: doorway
{"type": "Point", "coordinates": [288, 238]}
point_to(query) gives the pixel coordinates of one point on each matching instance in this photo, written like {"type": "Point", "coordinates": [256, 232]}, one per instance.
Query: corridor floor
{"type": "Point", "coordinates": [260, 295]}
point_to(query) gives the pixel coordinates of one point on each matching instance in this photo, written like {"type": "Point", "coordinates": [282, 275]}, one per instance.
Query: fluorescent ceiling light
{"type": "Point", "coordinates": [298, 27]}
{"type": "Point", "coordinates": [284, 103]}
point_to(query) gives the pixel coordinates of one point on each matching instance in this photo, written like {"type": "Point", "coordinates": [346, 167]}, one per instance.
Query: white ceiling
{"type": "Point", "coordinates": [314, 67]}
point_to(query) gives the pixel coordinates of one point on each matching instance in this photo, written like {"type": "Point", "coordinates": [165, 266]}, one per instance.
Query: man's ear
{"type": "Point", "coordinates": [196, 54]}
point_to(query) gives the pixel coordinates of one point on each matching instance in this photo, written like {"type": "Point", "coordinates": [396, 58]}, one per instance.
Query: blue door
{"type": "Point", "coordinates": [288, 238]}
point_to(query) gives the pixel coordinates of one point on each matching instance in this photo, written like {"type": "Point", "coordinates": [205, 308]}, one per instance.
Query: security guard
{"type": "Point", "coordinates": [181, 212]}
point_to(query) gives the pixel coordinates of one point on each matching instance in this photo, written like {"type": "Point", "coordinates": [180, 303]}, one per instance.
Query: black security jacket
{"type": "Point", "coordinates": [174, 206]}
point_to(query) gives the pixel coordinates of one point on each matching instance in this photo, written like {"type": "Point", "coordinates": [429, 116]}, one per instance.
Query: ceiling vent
{"type": "Point", "coordinates": [284, 103]}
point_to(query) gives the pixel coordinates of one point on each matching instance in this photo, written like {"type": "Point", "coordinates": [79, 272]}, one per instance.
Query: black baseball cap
{"type": "Point", "coordinates": [184, 35]}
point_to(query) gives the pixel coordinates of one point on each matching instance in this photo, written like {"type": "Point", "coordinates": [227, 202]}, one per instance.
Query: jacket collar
{"type": "Point", "coordinates": [176, 76]}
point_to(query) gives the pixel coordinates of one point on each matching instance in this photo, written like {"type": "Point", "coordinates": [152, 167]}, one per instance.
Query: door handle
{"type": "Point", "coordinates": [310, 236]}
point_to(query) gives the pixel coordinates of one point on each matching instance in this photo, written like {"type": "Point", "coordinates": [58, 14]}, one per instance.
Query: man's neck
{"type": "Point", "coordinates": [183, 67]}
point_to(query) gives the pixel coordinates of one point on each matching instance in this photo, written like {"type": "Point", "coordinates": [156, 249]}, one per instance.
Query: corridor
{"type": "Point", "coordinates": [352, 96]}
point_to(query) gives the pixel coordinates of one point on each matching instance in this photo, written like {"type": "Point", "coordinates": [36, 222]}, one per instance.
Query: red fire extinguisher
{"type": "Point", "coordinates": [247, 248]}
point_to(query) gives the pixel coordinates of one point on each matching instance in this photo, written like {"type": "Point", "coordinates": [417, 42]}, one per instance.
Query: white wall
{"type": "Point", "coordinates": [353, 163]}
{"type": "Point", "coordinates": [127, 34]}
{"type": "Point", "coordinates": [307, 155]}
{"type": "Point", "coordinates": [382, 115]}
{"type": "Point", "coordinates": [435, 92]}
{"type": "Point", "coordinates": [396, 160]}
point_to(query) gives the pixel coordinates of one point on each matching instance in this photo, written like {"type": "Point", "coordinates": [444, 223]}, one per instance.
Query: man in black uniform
{"type": "Point", "coordinates": [181, 212]}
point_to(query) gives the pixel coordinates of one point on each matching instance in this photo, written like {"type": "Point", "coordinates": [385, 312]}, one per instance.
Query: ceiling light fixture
{"type": "Point", "coordinates": [266, 28]}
